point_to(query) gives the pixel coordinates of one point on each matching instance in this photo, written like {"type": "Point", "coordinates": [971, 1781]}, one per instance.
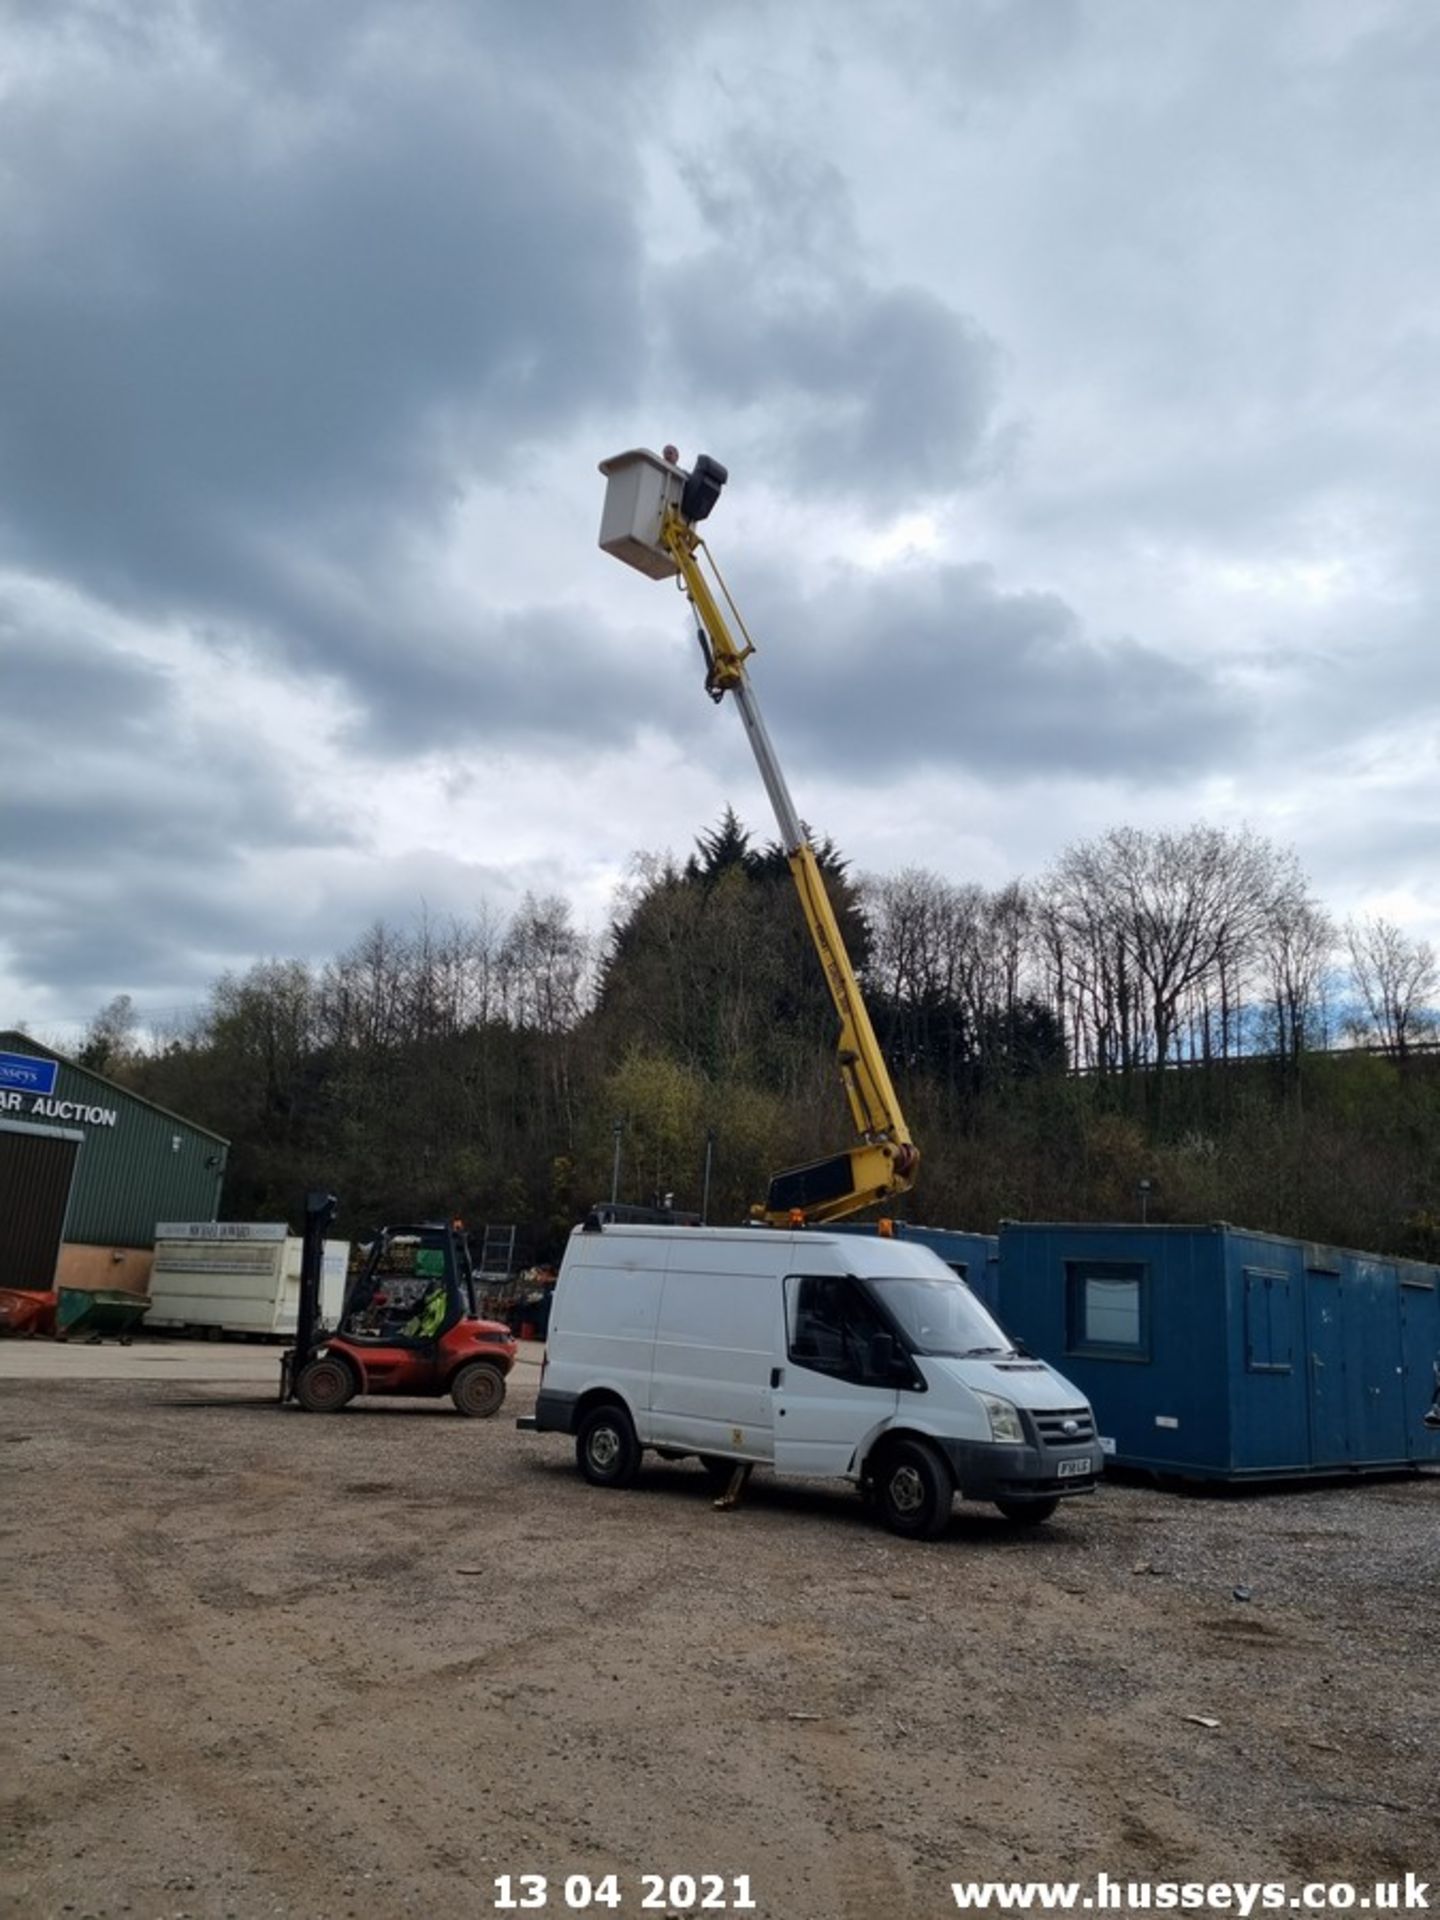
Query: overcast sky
{"type": "Point", "coordinates": [1074, 361]}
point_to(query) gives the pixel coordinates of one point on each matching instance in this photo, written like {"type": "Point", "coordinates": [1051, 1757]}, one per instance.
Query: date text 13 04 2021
{"type": "Point", "coordinates": [644, 1892]}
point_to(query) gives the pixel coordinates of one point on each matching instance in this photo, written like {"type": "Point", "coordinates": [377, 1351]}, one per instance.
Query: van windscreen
{"type": "Point", "coordinates": [940, 1316]}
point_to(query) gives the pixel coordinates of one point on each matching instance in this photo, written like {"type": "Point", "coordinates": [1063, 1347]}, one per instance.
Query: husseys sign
{"type": "Point", "coordinates": [27, 1085]}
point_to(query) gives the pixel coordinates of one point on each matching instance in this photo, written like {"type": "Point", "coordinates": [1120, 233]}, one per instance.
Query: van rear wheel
{"type": "Point", "coordinates": [914, 1489]}
{"type": "Point", "coordinates": [606, 1450]}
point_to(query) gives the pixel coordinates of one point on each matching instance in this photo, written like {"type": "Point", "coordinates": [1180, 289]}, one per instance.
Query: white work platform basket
{"type": "Point", "coordinates": [639, 486]}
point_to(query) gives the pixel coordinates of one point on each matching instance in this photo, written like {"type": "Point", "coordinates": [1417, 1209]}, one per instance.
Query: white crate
{"type": "Point", "coordinates": [639, 486]}
{"type": "Point", "coordinates": [238, 1276]}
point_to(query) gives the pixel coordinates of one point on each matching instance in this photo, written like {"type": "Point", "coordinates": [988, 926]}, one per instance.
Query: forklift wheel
{"type": "Point", "coordinates": [478, 1390]}
{"type": "Point", "coordinates": [325, 1386]}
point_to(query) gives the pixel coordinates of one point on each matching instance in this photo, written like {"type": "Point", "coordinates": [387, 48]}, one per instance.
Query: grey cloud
{"type": "Point", "coordinates": [144, 937]}
{"type": "Point", "coordinates": [881, 394]}
{"type": "Point", "coordinates": [562, 44]}
{"type": "Point", "coordinates": [1354, 677]}
{"type": "Point", "coordinates": [201, 812]}
{"type": "Point", "coordinates": [103, 766]}
{"type": "Point", "coordinates": [279, 284]}
{"type": "Point", "coordinates": [142, 847]}
{"type": "Point", "coordinates": [944, 669]}
{"type": "Point", "coordinates": [1409, 838]}
{"type": "Point", "coordinates": [397, 890]}
{"type": "Point", "coordinates": [56, 683]}
{"type": "Point", "coordinates": [166, 934]}
{"type": "Point", "coordinates": [860, 389]}
{"type": "Point", "coordinates": [232, 320]}
{"type": "Point", "coordinates": [995, 51]}
{"type": "Point", "coordinates": [1230, 241]}
{"type": "Point", "coordinates": [436, 681]}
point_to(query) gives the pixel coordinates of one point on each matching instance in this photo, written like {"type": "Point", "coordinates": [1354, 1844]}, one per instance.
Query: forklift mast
{"type": "Point", "coordinates": [320, 1211]}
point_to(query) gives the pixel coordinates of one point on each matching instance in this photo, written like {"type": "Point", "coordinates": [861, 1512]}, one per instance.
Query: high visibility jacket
{"type": "Point", "coordinates": [431, 1317]}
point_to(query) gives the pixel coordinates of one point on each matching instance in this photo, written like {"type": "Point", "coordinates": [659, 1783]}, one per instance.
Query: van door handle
{"type": "Point", "coordinates": [777, 1374]}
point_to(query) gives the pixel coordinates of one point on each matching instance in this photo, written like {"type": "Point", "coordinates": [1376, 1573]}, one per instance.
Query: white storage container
{"type": "Point", "coordinates": [639, 487]}
{"type": "Point", "coordinates": [237, 1276]}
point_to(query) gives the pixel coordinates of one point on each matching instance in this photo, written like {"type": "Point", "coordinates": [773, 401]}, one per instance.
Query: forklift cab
{"type": "Point", "coordinates": [415, 1284]}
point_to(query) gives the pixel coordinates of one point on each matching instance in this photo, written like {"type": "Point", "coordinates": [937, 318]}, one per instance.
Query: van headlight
{"type": "Point", "coordinates": [1004, 1420]}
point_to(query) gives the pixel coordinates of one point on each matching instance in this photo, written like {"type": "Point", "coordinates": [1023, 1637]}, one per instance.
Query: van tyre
{"type": "Point", "coordinates": [914, 1489]}
{"type": "Point", "coordinates": [325, 1386]}
{"type": "Point", "coordinates": [478, 1390]}
{"type": "Point", "coordinates": [606, 1450]}
{"type": "Point", "coordinates": [1027, 1513]}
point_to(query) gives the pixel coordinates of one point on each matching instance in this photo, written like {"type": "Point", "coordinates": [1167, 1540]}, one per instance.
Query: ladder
{"type": "Point", "coordinates": [497, 1253]}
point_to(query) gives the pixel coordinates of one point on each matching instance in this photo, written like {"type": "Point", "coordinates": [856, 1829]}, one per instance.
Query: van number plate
{"type": "Point", "coordinates": [1074, 1469]}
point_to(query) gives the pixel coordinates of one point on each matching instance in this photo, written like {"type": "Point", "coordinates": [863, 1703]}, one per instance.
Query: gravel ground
{"type": "Point", "coordinates": [261, 1663]}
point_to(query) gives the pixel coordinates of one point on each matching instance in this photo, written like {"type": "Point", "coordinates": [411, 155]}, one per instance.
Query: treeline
{"type": "Point", "coordinates": [1157, 1008]}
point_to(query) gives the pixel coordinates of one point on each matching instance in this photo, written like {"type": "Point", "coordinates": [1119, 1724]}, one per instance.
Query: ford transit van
{"type": "Point", "coordinates": [811, 1352]}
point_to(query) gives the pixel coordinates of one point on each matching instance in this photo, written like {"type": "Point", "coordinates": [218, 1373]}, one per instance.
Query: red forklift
{"type": "Point", "coordinates": [409, 1325]}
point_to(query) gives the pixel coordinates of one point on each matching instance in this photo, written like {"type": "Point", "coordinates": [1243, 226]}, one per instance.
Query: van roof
{"type": "Point", "coordinates": [881, 1254]}
{"type": "Point", "coordinates": [628, 1229]}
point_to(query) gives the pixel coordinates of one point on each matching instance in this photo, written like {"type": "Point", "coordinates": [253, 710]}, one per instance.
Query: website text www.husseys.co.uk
{"type": "Point", "coordinates": [1242, 1897]}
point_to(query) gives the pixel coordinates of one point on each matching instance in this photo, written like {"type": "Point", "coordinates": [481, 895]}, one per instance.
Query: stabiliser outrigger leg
{"type": "Point", "coordinates": [739, 1480]}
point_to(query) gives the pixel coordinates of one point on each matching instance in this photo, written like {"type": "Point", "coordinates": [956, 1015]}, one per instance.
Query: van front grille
{"type": "Point", "coordinates": [1070, 1427]}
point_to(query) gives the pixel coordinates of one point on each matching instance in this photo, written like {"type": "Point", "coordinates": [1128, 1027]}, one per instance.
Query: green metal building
{"type": "Point", "coordinates": [87, 1169]}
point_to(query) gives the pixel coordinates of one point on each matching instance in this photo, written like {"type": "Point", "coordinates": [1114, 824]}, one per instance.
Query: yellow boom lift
{"type": "Point", "coordinates": [652, 510]}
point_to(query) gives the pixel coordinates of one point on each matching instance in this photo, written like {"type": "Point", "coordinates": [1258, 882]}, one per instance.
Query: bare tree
{"type": "Point", "coordinates": [110, 1041]}
{"type": "Point", "coordinates": [544, 967]}
{"type": "Point", "coordinates": [1296, 949]}
{"type": "Point", "coordinates": [1088, 961]}
{"type": "Point", "coordinates": [949, 967]}
{"type": "Point", "coordinates": [362, 992]}
{"type": "Point", "coordinates": [1149, 931]}
{"type": "Point", "coordinates": [1398, 981]}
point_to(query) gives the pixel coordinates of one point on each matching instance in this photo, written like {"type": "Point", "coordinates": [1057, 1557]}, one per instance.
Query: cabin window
{"type": "Point", "coordinates": [833, 1329]}
{"type": "Point", "coordinates": [1108, 1308]}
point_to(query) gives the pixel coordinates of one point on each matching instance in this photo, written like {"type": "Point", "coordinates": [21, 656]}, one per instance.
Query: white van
{"type": "Point", "coordinates": [812, 1353]}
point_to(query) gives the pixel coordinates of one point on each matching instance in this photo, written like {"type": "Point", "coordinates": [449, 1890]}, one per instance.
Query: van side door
{"type": "Point", "coordinates": [714, 1355]}
{"type": "Point", "coordinates": [832, 1391]}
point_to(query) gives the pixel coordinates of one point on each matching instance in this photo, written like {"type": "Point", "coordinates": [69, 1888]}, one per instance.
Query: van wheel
{"type": "Point", "coordinates": [606, 1450]}
{"type": "Point", "coordinates": [1027, 1513]}
{"type": "Point", "coordinates": [914, 1489]}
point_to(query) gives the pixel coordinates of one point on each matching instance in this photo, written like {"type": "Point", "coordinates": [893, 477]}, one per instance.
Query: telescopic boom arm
{"type": "Point", "coordinates": [884, 1161]}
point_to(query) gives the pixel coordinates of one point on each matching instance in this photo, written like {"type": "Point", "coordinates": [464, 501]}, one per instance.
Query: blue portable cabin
{"type": "Point", "coordinates": [1216, 1353]}
{"type": "Point", "coordinates": [974, 1256]}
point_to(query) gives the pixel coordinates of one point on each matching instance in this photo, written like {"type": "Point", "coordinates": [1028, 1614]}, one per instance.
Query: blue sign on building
{"type": "Point", "coordinates": [24, 1072]}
